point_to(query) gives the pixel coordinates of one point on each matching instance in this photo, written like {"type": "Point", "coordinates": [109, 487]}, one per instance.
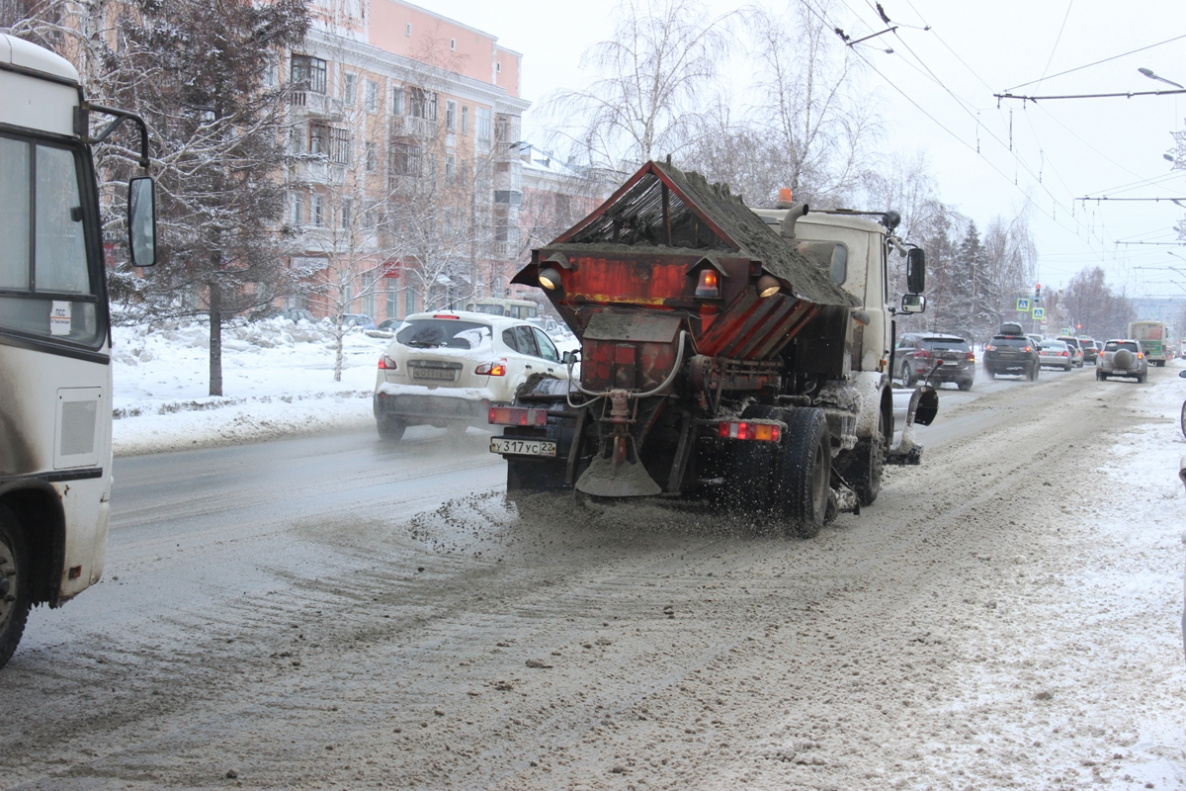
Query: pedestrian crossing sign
{"type": "Point", "coordinates": [1039, 314]}
{"type": "Point", "coordinates": [1023, 304]}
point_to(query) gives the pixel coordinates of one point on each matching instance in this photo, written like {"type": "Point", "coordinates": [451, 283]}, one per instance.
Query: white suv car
{"type": "Point", "coordinates": [447, 368]}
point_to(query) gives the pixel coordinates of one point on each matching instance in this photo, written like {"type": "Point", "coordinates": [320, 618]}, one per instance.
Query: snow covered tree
{"type": "Point", "coordinates": [199, 75]}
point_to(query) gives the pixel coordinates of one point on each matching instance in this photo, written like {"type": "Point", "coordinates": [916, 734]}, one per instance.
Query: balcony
{"type": "Point", "coordinates": [315, 104]}
{"type": "Point", "coordinates": [411, 126]}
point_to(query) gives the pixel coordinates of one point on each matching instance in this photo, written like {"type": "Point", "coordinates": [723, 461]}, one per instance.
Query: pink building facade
{"type": "Point", "coordinates": [406, 178]}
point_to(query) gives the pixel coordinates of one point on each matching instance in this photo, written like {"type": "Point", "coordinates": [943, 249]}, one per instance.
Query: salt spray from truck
{"type": "Point", "coordinates": [737, 356]}
{"type": "Point", "coordinates": [55, 339]}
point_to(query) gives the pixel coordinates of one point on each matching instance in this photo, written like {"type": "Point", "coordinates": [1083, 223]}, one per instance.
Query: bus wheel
{"type": "Point", "coordinates": [15, 599]}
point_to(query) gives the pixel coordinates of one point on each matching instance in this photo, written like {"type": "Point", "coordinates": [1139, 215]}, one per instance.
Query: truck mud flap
{"type": "Point", "coordinates": [911, 406]}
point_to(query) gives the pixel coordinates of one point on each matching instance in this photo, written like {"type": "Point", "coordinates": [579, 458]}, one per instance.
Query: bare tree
{"type": "Point", "coordinates": [655, 77]}
{"type": "Point", "coordinates": [820, 132]}
{"type": "Point", "coordinates": [1089, 306]}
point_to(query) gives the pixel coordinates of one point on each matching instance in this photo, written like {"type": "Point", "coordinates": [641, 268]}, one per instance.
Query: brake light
{"type": "Point", "coordinates": [1065, 354]}
{"type": "Point", "coordinates": [972, 356]}
{"type": "Point", "coordinates": [386, 363]}
{"type": "Point", "coordinates": [492, 369]}
{"type": "Point", "coordinates": [990, 348]}
{"type": "Point", "coordinates": [1140, 355]}
{"type": "Point", "coordinates": [518, 416]}
{"type": "Point", "coordinates": [922, 354]}
{"type": "Point", "coordinates": [445, 316]}
{"type": "Point", "coordinates": [742, 429]}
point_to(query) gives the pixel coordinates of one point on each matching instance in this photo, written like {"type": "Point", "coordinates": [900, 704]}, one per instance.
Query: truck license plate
{"type": "Point", "coordinates": [523, 447]}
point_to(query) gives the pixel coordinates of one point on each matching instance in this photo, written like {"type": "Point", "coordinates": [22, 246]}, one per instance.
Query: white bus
{"type": "Point", "coordinates": [55, 340]}
{"type": "Point", "coordinates": [515, 308]}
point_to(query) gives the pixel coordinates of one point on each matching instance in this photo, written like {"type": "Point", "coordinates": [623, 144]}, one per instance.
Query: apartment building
{"type": "Point", "coordinates": [406, 176]}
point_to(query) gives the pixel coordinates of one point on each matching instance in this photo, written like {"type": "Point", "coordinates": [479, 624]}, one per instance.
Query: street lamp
{"type": "Point", "coordinates": [1153, 76]}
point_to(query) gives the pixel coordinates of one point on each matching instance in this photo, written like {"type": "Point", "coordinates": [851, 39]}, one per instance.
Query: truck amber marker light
{"type": "Point", "coordinates": [709, 285]}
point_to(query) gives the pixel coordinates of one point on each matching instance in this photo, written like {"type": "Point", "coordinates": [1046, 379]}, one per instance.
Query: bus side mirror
{"type": "Point", "coordinates": [916, 270]}
{"type": "Point", "coordinates": [913, 303]}
{"type": "Point", "coordinates": [142, 221]}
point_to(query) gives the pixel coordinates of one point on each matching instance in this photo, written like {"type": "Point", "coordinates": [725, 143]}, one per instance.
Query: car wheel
{"type": "Point", "coordinates": [15, 590]}
{"type": "Point", "coordinates": [991, 373]}
{"type": "Point", "coordinates": [964, 384]}
{"type": "Point", "coordinates": [1100, 376]}
{"type": "Point", "coordinates": [1141, 379]}
{"type": "Point", "coordinates": [1183, 419]}
{"type": "Point", "coordinates": [391, 429]}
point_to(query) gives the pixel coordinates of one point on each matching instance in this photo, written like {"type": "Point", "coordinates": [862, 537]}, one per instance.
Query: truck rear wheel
{"type": "Point", "coordinates": [802, 481]}
{"type": "Point", "coordinates": [15, 599]}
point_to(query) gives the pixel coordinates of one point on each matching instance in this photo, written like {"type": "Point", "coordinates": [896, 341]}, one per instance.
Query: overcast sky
{"type": "Point", "coordinates": [936, 94]}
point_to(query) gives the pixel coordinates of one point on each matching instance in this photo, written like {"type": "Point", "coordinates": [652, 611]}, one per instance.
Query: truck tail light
{"type": "Point", "coordinates": [492, 369]}
{"type": "Point", "coordinates": [386, 363]}
{"type": "Point", "coordinates": [747, 429]}
{"type": "Point", "coordinates": [518, 416]}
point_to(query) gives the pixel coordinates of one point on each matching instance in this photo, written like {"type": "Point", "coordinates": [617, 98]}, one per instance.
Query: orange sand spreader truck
{"type": "Point", "coordinates": [729, 356]}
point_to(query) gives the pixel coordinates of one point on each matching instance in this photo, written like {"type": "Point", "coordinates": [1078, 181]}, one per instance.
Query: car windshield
{"type": "Point", "coordinates": [443, 333]}
{"type": "Point", "coordinates": [945, 344]}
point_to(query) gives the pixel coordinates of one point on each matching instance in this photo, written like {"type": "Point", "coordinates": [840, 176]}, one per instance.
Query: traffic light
{"type": "Point", "coordinates": [1037, 291]}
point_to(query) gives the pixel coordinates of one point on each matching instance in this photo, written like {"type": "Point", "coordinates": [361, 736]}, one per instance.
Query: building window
{"type": "Point", "coordinates": [409, 301]}
{"type": "Point", "coordinates": [484, 124]}
{"type": "Point", "coordinates": [422, 104]}
{"type": "Point", "coordinates": [318, 139]}
{"type": "Point", "coordinates": [465, 120]}
{"type": "Point", "coordinates": [346, 215]}
{"type": "Point", "coordinates": [296, 205]}
{"type": "Point", "coordinates": [270, 74]}
{"type": "Point", "coordinates": [339, 146]}
{"type": "Point", "coordinates": [451, 115]}
{"type": "Point", "coordinates": [498, 67]}
{"type": "Point", "coordinates": [450, 169]}
{"type": "Point", "coordinates": [408, 29]}
{"type": "Point", "coordinates": [372, 156]}
{"type": "Point", "coordinates": [309, 73]}
{"type": "Point", "coordinates": [405, 159]}
{"type": "Point", "coordinates": [349, 89]}
{"type": "Point", "coordinates": [318, 213]}
{"type": "Point", "coordinates": [397, 101]}
{"type": "Point", "coordinates": [453, 44]}
{"type": "Point", "coordinates": [392, 305]}
{"type": "Point", "coordinates": [372, 96]}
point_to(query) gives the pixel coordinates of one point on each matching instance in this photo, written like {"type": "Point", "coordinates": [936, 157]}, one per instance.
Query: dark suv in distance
{"type": "Point", "coordinates": [917, 353]}
{"type": "Point", "coordinates": [1013, 355]}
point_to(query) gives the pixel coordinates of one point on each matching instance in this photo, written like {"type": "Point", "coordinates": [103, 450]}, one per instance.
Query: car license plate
{"type": "Point", "coordinates": [445, 374]}
{"type": "Point", "coordinates": [522, 447]}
